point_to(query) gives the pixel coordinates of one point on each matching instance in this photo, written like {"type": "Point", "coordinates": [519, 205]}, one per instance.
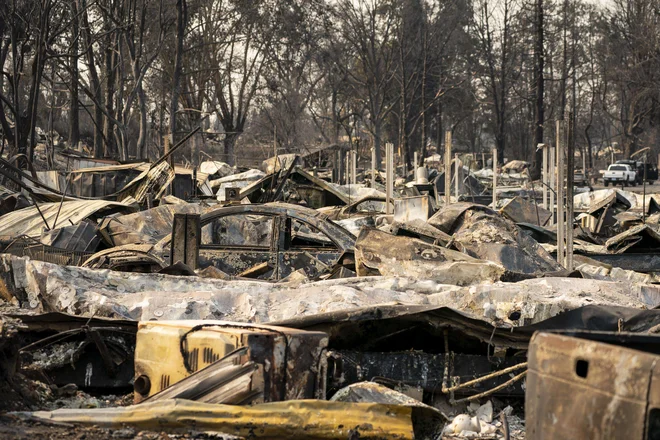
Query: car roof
{"type": "Point", "coordinates": [303, 213]}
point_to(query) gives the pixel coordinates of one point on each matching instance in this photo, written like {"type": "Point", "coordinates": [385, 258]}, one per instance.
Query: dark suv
{"type": "Point", "coordinates": [651, 171]}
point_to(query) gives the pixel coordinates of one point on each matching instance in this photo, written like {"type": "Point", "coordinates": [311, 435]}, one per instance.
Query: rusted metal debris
{"type": "Point", "coordinates": [379, 253]}
{"type": "Point", "coordinates": [278, 364]}
{"type": "Point", "coordinates": [436, 302]}
{"type": "Point", "coordinates": [593, 385]}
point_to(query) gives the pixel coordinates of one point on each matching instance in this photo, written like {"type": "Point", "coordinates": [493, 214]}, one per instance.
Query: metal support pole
{"type": "Point", "coordinates": [373, 167]}
{"type": "Point", "coordinates": [415, 160]}
{"type": "Point", "coordinates": [552, 156]}
{"type": "Point", "coordinates": [456, 176]}
{"type": "Point", "coordinates": [483, 160]}
{"type": "Point", "coordinates": [389, 176]}
{"type": "Point", "coordinates": [348, 168]}
{"type": "Point", "coordinates": [561, 219]}
{"type": "Point", "coordinates": [644, 193]}
{"type": "Point", "coordinates": [494, 177]}
{"type": "Point", "coordinates": [545, 177]}
{"type": "Point", "coordinates": [354, 167]}
{"type": "Point", "coordinates": [570, 181]}
{"type": "Point", "coordinates": [447, 168]}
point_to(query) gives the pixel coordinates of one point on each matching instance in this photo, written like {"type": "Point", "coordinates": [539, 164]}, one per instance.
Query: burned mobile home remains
{"type": "Point", "coordinates": [448, 302]}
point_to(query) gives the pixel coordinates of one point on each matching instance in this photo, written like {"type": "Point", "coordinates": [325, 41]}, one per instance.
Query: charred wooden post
{"type": "Point", "coordinates": [186, 238]}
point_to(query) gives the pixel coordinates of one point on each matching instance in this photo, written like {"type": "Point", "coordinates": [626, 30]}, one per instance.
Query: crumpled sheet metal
{"type": "Point", "coordinates": [241, 180]}
{"type": "Point", "coordinates": [376, 393]}
{"type": "Point", "coordinates": [446, 217]}
{"type": "Point", "coordinates": [379, 253]}
{"type": "Point", "coordinates": [520, 210]}
{"type": "Point", "coordinates": [602, 272]}
{"type": "Point", "coordinates": [88, 292]}
{"type": "Point", "coordinates": [535, 300]}
{"type": "Point", "coordinates": [584, 201]}
{"type": "Point", "coordinates": [154, 180]}
{"type": "Point", "coordinates": [279, 162]}
{"type": "Point", "coordinates": [82, 237]}
{"type": "Point", "coordinates": [146, 227]}
{"type": "Point", "coordinates": [44, 287]}
{"type": "Point", "coordinates": [592, 385]}
{"type": "Point", "coordinates": [215, 168]}
{"type": "Point", "coordinates": [480, 232]}
{"type": "Point", "coordinates": [28, 222]}
{"type": "Point", "coordinates": [646, 236]}
{"type": "Point", "coordinates": [296, 419]}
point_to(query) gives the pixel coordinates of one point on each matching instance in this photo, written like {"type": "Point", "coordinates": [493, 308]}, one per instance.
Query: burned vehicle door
{"type": "Point", "coordinates": [241, 244]}
{"type": "Point", "coordinates": [305, 246]}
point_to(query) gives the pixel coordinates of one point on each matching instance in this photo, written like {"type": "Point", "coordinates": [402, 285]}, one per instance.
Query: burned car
{"type": "Point", "coordinates": [267, 242]}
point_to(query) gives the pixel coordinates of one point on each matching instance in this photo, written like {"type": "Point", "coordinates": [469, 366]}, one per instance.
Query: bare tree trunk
{"type": "Point", "coordinates": [111, 78]}
{"type": "Point", "coordinates": [230, 143]}
{"type": "Point", "coordinates": [74, 117]}
{"type": "Point", "coordinates": [439, 131]}
{"type": "Point", "coordinates": [539, 80]}
{"type": "Point", "coordinates": [141, 147]}
{"type": "Point", "coordinates": [378, 133]}
{"type": "Point", "coordinates": [178, 57]}
{"type": "Point", "coordinates": [93, 79]}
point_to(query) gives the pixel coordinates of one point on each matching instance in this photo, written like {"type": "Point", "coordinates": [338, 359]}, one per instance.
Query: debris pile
{"type": "Point", "coordinates": [280, 303]}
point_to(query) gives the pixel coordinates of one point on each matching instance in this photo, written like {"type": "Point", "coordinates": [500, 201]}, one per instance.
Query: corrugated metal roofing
{"type": "Point", "coordinates": [28, 222]}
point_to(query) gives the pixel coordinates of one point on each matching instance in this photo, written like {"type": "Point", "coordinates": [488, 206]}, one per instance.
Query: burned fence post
{"type": "Point", "coordinates": [186, 237]}
{"type": "Point", "coordinates": [447, 168]}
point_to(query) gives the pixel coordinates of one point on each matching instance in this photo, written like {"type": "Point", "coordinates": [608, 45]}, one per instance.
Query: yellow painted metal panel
{"type": "Point", "coordinates": [294, 419]}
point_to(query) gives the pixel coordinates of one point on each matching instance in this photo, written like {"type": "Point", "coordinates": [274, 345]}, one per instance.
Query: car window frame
{"type": "Point", "coordinates": [272, 247]}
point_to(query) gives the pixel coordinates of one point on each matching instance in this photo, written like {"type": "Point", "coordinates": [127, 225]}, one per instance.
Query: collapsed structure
{"type": "Point", "coordinates": [276, 303]}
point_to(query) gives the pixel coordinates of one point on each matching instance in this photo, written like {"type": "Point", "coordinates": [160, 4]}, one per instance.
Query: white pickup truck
{"type": "Point", "coordinates": [620, 173]}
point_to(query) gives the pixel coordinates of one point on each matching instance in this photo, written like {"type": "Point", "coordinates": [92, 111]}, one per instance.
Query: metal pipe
{"type": "Point", "coordinates": [570, 180]}
{"type": "Point", "coordinates": [373, 167]}
{"type": "Point", "coordinates": [389, 176]}
{"type": "Point", "coordinates": [456, 181]}
{"type": "Point", "coordinates": [553, 169]}
{"type": "Point", "coordinates": [494, 177]}
{"type": "Point", "coordinates": [545, 177]}
{"type": "Point", "coordinates": [561, 219]}
{"type": "Point", "coordinates": [447, 168]}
